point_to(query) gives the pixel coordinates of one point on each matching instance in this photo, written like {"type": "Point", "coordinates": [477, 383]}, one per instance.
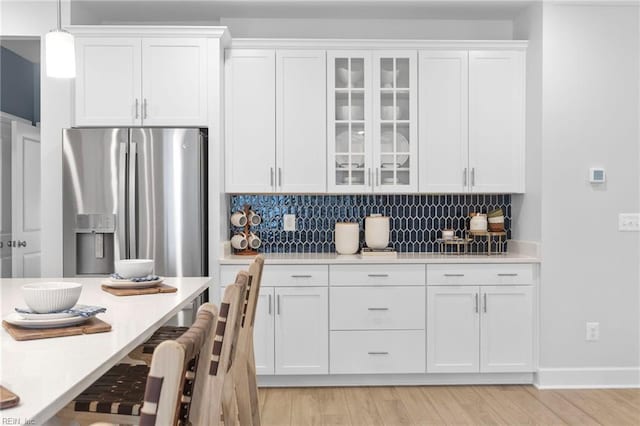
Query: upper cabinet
{"type": "Point", "coordinates": [124, 81]}
{"type": "Point", "coordinates": [372, 133]}
{"type": "Point", "coordinates": [472, 128]}
{"type": "Point", "coordinates": [275, 121]}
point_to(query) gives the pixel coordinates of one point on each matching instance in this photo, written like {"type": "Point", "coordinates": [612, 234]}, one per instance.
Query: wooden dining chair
{"type": "Point", "coordinates": [241, 393]}
{"type": "Point", "coordinates": [178, 386]}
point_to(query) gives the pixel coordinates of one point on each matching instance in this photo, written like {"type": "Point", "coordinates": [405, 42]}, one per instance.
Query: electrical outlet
{"type": "Point", "coordinates": [629, 222]}
{"type": "Point", "coordinates": [289, 222]}
{"type": "Point", "coordinates": [593, 331]}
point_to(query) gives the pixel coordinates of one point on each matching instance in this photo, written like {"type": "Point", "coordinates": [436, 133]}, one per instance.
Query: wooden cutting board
{"type": "Point", "coordinates": [160, 288]}
{"type": "Point", "coordinates": [92, 325]}
{"type": "Point", "coordinates": [8, 399]}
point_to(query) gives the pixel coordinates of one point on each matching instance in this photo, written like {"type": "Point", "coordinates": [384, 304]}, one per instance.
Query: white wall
{"type": "Point", "coordinates": [437, 29]}
{"type": "Point", "coordinates": [30, 18]}
{"type": "Point", "coordinates": [590, 271]}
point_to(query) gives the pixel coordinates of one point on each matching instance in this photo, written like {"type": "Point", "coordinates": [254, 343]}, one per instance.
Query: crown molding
{"type": "Point", "coordinates": [375, 44]}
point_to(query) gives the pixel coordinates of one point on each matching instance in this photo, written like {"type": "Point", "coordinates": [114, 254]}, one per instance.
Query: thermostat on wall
{"type": "Point", "coordinates": [596, 175]}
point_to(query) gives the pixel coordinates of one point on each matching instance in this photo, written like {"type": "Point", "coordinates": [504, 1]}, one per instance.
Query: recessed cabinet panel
{"type": "Point", "coordinates": [108, 82]}
{"type": "Point", "coordinates": [250, 112]}
{"type": "Point", "coordinates": [443, 121]}
{"type": "Point", "coordinates": [174, 86]}
{"type": "Point", "coordinates": [453, 325]}
{"type": "Point", "coordinates": [507, 329]}
{"type": "Point", "coordinates": [496, 121]}
{"type": "Point", "coordinates": [301, 121]}
{"type": "Point", "coordinates": [263, 332]}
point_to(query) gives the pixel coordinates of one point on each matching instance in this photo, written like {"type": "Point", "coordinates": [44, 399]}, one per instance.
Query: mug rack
{"type": "Point", "coordinates": [247, 251]}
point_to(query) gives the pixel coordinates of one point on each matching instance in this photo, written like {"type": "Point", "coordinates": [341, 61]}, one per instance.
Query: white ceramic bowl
{"type": "Point", "coordinates": [390, 112]}
{"type": "Point", "coordinates": [497, 219]}
{"type": "Point", "coordinates": [47, 297]}
{"type": "Point", "coordinates": [342, 112]}
{"type": "Point", "coordinates": [387, 77]}
{"type": "Point", "coordinates": [356, 77]}
{"type": "Point", "coordinates": [134, 268]}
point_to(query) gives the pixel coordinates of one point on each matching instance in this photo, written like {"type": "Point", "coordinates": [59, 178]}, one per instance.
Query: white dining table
{"type": "Point", "coordinates": [48, 373]}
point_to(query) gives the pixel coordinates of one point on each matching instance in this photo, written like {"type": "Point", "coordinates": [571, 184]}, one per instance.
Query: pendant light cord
{"type": "Point", "coordinates": [59, 15]}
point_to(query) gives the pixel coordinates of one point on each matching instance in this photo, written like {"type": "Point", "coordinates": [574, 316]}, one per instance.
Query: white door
{"type": "Point", "coordinates": [250, 117]}
{"type": "Point", "coordinates": [174, 82]}
{"type": "Point", "coordinates": [301, 143]}
{"type": "Point", "coordinates": [443, 121]}
{"type": "Point", "coordinates": [395, 130]}
{"type": "Point", "coordinates": [263, 338]}
{"type": "Point", "coordinates": [453, 329]}
{"type": "Point", "coordinates": [108, 85]}
{"type": "Point", "coordinates": [496, 121]}
{"type": "Point", "coordinates": [25, 200]}
{"type": "Point", "coordinates": [506, 329]}
{"type": "Point", "coordinates": [302, 330]}
{"type": "Point", "coordinates": [349, 138]}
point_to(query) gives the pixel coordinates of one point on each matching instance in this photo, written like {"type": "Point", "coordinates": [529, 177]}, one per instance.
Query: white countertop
{"type": "Point", "coordinates": [333, 258]}
{"type": "Point", "coordinates": [47, 374]}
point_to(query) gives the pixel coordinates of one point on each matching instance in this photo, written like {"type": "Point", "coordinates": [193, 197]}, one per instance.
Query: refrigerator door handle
{"type": "Point", "coordinates": [132, 201]}
{"type": "Point", "coordinates": [122, 200]}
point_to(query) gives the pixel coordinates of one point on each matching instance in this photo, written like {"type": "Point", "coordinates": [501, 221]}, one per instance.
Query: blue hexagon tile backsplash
{"type": "Point", "coordinates": [416, 220]}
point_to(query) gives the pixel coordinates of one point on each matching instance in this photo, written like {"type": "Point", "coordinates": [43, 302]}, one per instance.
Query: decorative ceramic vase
{"type": "Point", "coordinates": [347, 237]}
{"type": "Point", "coordinates": [376, 231]}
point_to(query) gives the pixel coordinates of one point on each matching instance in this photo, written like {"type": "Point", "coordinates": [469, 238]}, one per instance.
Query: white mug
{"type": "Point", "coordinates": [239, 242]}
{"type": "Point", "coordinates": [238, 219]}
{"type": "Point", "coordinates": [254, 241]}
{"type": "Point", "coordinates": [254, 218]}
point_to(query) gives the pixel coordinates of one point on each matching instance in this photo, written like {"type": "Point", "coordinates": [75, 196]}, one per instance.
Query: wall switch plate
{"type": "Point", "coordinates": [289, 222]}
{"type": "Point", "coordinates": [629, 222]}
{"type": "Point", "coordinates": [593, 331]}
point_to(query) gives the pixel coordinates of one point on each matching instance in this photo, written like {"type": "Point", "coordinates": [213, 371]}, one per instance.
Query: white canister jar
{"type": "Point", "coordinates": [478, 223]}
{"type": "Point", "coordinates": [376, 231]}
{"type": "Point", "coordinates": [347, 237]}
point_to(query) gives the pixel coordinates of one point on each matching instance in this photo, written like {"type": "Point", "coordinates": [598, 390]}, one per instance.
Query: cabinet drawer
{"type": "Point", "coordinates": [282, 275]}
{"type": "Point", "coordinates": [480, 274]}
{"type": "Point", "coordinates": [373, 352]}
{"type": "Point", "coordinates": [377, 308]}
{"type": "Point", "coordinates": [385, 274]}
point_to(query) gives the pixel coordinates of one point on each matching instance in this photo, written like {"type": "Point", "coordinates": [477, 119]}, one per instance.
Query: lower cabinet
{"type": "Point", "coordinates": [485, 329]}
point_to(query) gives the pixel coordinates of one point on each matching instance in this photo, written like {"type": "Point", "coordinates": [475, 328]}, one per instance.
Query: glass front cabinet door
{"type": "Point", "coordinates": [372, 121]}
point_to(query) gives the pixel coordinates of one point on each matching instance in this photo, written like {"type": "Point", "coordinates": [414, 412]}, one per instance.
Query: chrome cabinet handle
{"type": "Point", "coordinates": [473, 176]}
{"type": "Point", "coordinates": [377, 177]}
{"type": "Point", "coordinates": [280, 177]}
{"type": "Point", "coordinates": [378, 353]}
{"type": "Point", "coordinates": [464, 177]}
{"type": "Point", "coordinates": [144, 108]}
{"type": "Point", "coordinates": [301, 276]}
{"type": "Point", "coordinates": [378, 309]}
{"type": "Point", "coordinates": [278, 304]}
{"type": "Point", "coordinates": [369, 181]}
{"type": "Point", "coordinates": [269, 304]}
{"type": "Point", "coordinates": [454, 275]}
{"type": "Point", "coordinates": [508, 275]}
{"type": "Point", "coordinates": [137, 105]}
{"type": "Point", "coordinates": [485, 302]}
{"type": "Point", "coordinates": [476, 303]}
{"type": "Point", "coordinates": [378, 275]}
{"type": "Point", "coordinates": [271, 177]}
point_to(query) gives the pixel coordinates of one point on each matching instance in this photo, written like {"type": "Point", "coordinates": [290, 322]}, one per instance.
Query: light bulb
{"type": "Point", "coordinates": [60, 54]}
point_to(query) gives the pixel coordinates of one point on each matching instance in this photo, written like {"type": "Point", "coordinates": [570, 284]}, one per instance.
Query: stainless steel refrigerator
{"type": "Point", "coordinates": [135, 193]}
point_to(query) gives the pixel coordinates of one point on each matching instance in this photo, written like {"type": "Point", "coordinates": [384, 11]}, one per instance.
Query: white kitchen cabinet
{"type": "Point", "coordinates": [301, 330]}
{"type": "Point", "coordinates": [275, 121]}
{"type": "Point", "coordinates": [174, 82]}
{"type": "Point", "coordinates": [472, 121]}
{"type": "Point", "coordinates": [453, 329]}
{"type": "Point", "coordinates": [371, 121]}
{"type": "Point", "coordinates": [250, 112]}
{"type": "Point", "coordinates": [506, 329]}
{"type": "Point", "coordinates": [108, 86]}
{"type": "Point", "coordinates": [264, 332]}
{"type": "Point", "coordinates": [496, 121]}
{"type": "Point", "coordinates": [487, 329]}
{"type": "Point", "coordinates": [130, 81]}
{"type": "Point", "coordinates": [301, 144]}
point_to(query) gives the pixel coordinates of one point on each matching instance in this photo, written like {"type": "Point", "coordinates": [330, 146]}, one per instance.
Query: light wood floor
{"type": "Point", "coordinates": [436, 405]}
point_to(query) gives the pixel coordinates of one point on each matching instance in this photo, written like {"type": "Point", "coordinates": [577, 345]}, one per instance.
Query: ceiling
{"type": "Point", "coordinates": [210, 12]}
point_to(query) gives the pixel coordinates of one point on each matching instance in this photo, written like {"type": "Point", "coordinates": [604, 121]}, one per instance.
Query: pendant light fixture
{"type": "Point", "coordinates": [60, 51]}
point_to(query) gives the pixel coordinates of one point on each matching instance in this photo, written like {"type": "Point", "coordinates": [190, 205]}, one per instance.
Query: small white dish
{"type": "Point", "coordinates": [132, 268]}
{"type": "Point", "coordinates": [114, 283]}
{"type": "Point", "coordinates": [16, 319]}
{"type": "Point", "coordinates": [46, 297]}
{"type": "Point", "coordinates": [36, 316]}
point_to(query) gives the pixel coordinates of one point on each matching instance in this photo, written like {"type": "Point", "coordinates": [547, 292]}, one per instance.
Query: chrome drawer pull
{"type": "Point", "coordinates": [269, 304]}
{"type": "Point", "coordinates": [454, 275]}
{"type": "Point", "coordinates": [378, 309]}
{"type": "Point", "coordinates": [378, 353]}
{"type": "Point", "coordinates": [378, 275]}
{"type": "Point", "coordinates": [508, 275]}
{"type": "Point", "coordinates": [301, 276]}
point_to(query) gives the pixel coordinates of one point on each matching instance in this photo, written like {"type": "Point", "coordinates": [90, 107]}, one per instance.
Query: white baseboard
{"type": "Point", "coordinates": [586, 378]}
{"type": "Point", "coordinates": [396, 379]}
